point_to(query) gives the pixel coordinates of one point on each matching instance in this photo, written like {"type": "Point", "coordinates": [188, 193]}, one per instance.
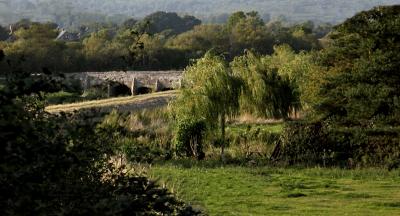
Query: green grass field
{"type": "Point", "coordinates": [278, 191]}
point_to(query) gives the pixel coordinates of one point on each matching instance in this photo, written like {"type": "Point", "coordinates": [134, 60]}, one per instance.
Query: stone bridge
{"type": "Point", "coordinates": [138, 81]}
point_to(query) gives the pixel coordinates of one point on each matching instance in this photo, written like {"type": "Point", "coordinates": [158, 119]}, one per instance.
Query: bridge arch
{"type": "Point", "coordinates": [139, 82]}
{"type": "Point", "coordinates": [143, 90]}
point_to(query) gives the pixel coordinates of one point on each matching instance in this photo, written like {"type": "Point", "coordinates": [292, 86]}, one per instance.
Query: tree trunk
{"type": "Point", "coordinates": [223, 137]}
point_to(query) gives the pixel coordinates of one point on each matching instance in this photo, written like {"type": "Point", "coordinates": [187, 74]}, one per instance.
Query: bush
{"type": "Point", "coordinates": [366, 147]}
{"type": "Point", "coordinates": [252, 142]}
{"type": "Point", "coordinates": [189, 138]}
{"type": "Point", "coordinates": [321, 143]}
{"type": "Point", "coordinates": [301, 142]}
{"type": "Point", "coordinates": [138, 153]}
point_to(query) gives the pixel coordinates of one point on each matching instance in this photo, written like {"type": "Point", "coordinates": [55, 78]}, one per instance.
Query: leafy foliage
{"type": "Point", "coordinates": [210, 92]}
{"type": "Point", "coordinates": [317, 143]}
{"type": "Point", "coordinates": [353, 91]}
{"type": "Point", "coordinates": [247, 31]}
{"type": "Point", "coordinates": [265, 91]}
{"type": "Point", "coordinates": [201, 39]}
{"type": "Point", "coordinates": [61, 164]}
{"type": "Point", "coordinates": [360, 83]}
{"type": "Point", "coordinates": [160, 41]}
{"type": "Point", "coordinates": [167, 21]}
{"type": "Point", "coordinates": [189, 138]}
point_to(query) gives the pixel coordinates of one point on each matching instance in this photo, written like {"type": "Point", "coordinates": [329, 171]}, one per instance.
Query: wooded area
{"type": "Point", "coordinates": [160, 41]}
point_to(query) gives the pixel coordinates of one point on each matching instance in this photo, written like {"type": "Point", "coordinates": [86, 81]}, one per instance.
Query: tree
{"type": "Point", "coordinates": [102, 52]}
{"type": "Point", "coordinates": [201, 39]}
{"type": "Point", "coordinates": [352, 89]}
{"type": "Point", "coordinates": [265, 92]}
{"type": "Point", "coordinates": [35, 42]}
{"type": "Point", "coordinates": [360, 85]}
{"type": "Point", "coordinates": [247, 31]}
{"type": "Point", "coordinates": [211, 92]}
{"type": "Point", "coordinates": [297, 68]}
{"type": "Point", "coordinates": [161, 21]}
{"type": "Point", "coordinates": [234, 19]}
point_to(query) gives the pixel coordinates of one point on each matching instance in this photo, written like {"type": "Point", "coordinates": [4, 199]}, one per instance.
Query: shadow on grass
{"type": "Point", "coordinates": [389, 204]}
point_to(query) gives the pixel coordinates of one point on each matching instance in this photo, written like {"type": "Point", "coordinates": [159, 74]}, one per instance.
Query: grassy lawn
{"type": "Point", "coordinates": [277, 191]}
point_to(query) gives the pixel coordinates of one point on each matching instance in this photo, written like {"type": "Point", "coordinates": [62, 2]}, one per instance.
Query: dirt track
{"type": "Point", "coordinates": [131, 103]}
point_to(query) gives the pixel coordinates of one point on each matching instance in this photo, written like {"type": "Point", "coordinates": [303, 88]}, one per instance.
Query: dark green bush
{"type": "Point", "coordinates": [318, 143]}
{"type": "Point", "coordinates": [366, 147]}
{"type": "Point", "coordinates": [302, 142]}
{"type": "Point", "coordinates": [269, 138]}
{"type": "Point", "coordinates": [189, 138]}
{"type": "Point", "coordinates": [138, 153]}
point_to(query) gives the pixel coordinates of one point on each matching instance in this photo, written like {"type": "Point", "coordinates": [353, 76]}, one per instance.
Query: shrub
{"type": "Point", "coordinates": [301, 142]}
{"type": "Point", "coordinates": [189, 138]}
{"type": "Point", "coordinates": [366, 147]}
{"type": "Point", "coordinates": [138, 153]}
{"type": "Point", "coordinates": [252, 143]}
{"type": "Point", "coordinates": [321, 143]}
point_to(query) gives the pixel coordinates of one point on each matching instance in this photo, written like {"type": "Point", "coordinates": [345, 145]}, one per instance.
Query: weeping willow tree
{"type": "Point", "coordinates": [265, 92]}
{"type": "Point", "coordinates": [210, 92]}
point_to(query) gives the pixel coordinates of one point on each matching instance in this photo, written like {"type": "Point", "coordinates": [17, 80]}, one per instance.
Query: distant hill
{"type": "Point", "coordinates": [67, 12]}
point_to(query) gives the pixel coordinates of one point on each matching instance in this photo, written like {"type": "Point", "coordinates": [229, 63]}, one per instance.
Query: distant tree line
{"type": "Point", "coordinates": [167, 41]}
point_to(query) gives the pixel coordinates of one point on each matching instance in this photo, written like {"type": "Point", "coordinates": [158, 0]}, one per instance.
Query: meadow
{"type": "Point", "coordinates": [246, 190]}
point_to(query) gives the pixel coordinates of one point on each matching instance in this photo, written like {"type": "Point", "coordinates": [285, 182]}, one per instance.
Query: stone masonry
{"type": "Point", "coordinates": [155, 80]}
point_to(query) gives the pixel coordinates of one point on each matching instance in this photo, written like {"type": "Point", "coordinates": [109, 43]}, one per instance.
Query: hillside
{"type": "Point", "coordinates": [67, 12]}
